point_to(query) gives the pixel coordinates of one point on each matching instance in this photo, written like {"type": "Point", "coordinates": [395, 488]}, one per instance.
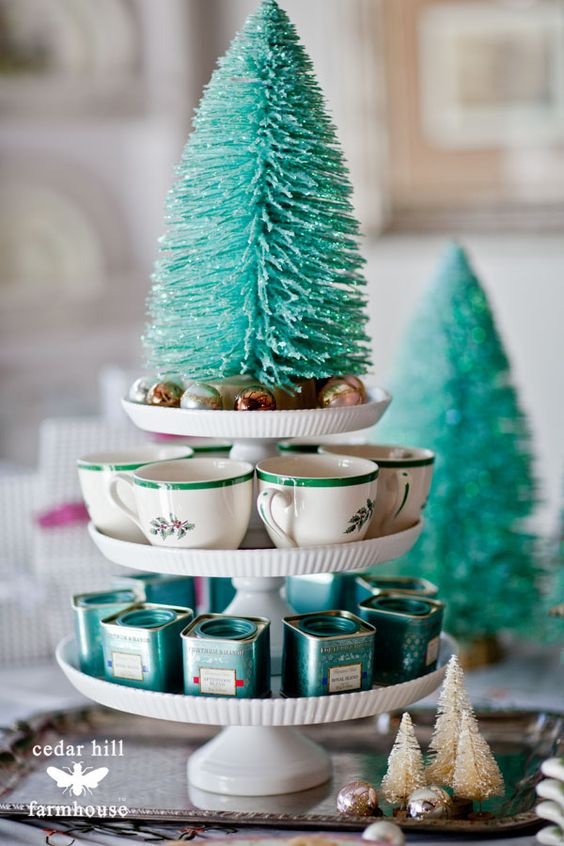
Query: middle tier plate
{"type": "Point", "coordinates": [256, 563]}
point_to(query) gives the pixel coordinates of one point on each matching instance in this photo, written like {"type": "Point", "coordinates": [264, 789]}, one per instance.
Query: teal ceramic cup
{"type": "Point", "coordinates": [326, 653]}
{"type": "Point", "coordinates": [407, 640]}
{"type": "Point", "coordinates": [142, 646]}
{"type": "Point", "coordinates": [227, 656]}
{"type": "Point", "coordinates": [89, 609]}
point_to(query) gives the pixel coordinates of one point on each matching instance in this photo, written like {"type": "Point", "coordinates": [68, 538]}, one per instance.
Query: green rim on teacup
{"type": "Point", "coordinates": [411, 456]}
{"type": "Point", "coordinates": [303, 480]}
{"type": "Point", "coordinates": [226, 480]}
{"type": "Point", "coordinates": [293, 447]}
{"type": "Point", "coordinates": [94, 462]}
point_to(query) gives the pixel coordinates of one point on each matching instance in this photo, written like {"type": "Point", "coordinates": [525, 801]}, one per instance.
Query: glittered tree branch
{"type": "Point", "coordinates": [259, 270]}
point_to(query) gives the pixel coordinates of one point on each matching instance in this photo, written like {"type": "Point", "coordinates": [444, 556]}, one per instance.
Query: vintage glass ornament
{"type": "Point", "coordinates": [356, 382]}
{"type": "Point", "coordinates": [339, 392]}
{"type": "Point", "coordinates": [255, 398]}
{"type": "Point", "coordinates": [358, 799]}
{"type": "Point", "coordinates": [431, 802]}
{"type": "Point", "coordinates": [384, 833]}
{"type": "Point", "coordinates": [199, 395]}
{"type": "Point", "coordinates": [165, 394]}
{"type": "Point", "coordinates": [139, 390]}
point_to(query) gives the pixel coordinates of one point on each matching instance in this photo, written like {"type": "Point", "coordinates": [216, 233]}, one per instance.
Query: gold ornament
{"type": "Point", "coordinates": [165, 394]}
{"type": "Point", "coordinates": [255, 398]}
{"type": "Point", "coordinates": [340, 391]}
{"type": "Point", "coordinates": [358, 799]}
{"type": "Point", "coordinates": [431, 802]}
{"type": "Point", "coordinates": [406, 770]}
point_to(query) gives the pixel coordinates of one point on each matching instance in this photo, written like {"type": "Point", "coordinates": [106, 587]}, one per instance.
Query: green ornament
{"type": "Point", "coordinates": [259, 270]}
{"type": "Point", "coordinates": [453, 394]}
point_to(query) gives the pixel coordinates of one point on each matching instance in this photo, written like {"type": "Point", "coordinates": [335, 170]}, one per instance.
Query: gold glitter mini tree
{"type": "Point", "coordinates": [406, 770]}
{"type": "Point", "coordinates": [453, 701]}
{"type": "Point", "coordinates": [476, 774]}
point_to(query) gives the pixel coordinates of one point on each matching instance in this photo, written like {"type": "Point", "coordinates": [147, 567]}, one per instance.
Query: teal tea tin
{"type": "Point", "coordinates": [159, 588]}
{"type": "Point", "coordinates": [369, 584]}
{"type": "Point", "coordinates": [227, 656]}
{"type": "Point", "coordinates": [407, 640]}
{"type": "Point", "coordinates": [89, 609]}
{"type": "Point", "coordinates": [142, 646]}
{"type": "Point", "coordinates": [326, 652]}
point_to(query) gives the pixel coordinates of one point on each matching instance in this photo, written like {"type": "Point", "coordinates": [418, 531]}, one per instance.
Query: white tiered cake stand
{"type": "Point", "coordinates": [259, 753]}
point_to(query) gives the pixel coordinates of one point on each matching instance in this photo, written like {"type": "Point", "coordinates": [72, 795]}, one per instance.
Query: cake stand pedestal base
{"type": "Point", "coordinates": [258, 761]}
{"type": "Point", "coordinates": [261, 597]}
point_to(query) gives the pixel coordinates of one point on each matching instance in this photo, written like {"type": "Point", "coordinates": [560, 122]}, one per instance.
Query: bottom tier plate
{"type": "Point", "coordinates": [276, 711]}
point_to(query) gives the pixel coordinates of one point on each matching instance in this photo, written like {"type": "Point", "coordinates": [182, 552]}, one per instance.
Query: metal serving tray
{"type": "Point", "coordinates": [149, 778]}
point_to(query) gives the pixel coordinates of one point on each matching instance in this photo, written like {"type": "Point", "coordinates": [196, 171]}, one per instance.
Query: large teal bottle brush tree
{"type": "Point", "coordinates": [453, 393]}
{"type": "Point", "coordinates": [259, 271]}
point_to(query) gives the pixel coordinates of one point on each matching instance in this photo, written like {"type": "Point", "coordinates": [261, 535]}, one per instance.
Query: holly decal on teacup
{"type": "Point", "coordinates": [360, 518]}
{"type": "Point", "coordinates": [173, 527]}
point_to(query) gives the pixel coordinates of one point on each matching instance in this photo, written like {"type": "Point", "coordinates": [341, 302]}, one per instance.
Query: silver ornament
{"type": "Point", "coordinates": [139, 390]}
{"type": "Point", "coordinates": [199, 395]}
{"type": "Point", "coordinates": [358, 799]}
{"type": "Point", "coordinates": [384, 833]}
{"type": "Point", "coordinates": [431, 802]}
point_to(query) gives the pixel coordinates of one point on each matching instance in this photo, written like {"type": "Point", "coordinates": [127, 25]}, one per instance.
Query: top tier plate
{"type": "Point", "coordinates": [239, 425]}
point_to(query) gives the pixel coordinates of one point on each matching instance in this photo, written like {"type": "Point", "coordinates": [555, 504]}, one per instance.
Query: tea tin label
{"type": "Point", "coordinates": [127, 665]}
{"type": "Point", "coordinates": [348, 677]}
{"type": "Point", "coordinates": [216, 682]}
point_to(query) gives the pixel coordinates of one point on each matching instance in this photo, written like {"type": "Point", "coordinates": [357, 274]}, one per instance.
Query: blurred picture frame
{"type": "Point", "coordinates": [492, 74]}
{"type": "Point", "coordinates": [475, 114]}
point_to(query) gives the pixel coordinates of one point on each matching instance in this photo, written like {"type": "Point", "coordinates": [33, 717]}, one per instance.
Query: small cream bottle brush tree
{"type": "Point", "coordinates": [406, 770]}
{"type": "Point", "coordinates": [453, 701]}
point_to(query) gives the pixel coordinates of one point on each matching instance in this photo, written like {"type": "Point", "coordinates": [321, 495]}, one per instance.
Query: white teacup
{"type": "Point", "coordinates": [403, 485]}
{"type": "Point", "coordinates": [203, 503]}
{"type": "Point", "coordinates": [97, 469]}
{"type": "Point", "coordinates": [313, 500]}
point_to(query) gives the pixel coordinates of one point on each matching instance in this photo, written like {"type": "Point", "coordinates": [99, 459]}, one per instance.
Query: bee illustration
{"type": "Point", "coordinates": [77, 780]}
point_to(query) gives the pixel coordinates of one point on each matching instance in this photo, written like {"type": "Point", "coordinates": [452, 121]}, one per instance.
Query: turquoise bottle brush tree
{"type": "Point", "coordinates": [453, 394]}
{"type": "Point", "coordinates": [260, 271]}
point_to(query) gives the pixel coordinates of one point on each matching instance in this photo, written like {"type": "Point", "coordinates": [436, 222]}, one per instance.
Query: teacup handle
{"type": "Point", "coordinates": [112, 491]}
{"type": "Point", "coordinates": [403, 479]}
{"type": "Point", "coordinates": [264, 508]}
